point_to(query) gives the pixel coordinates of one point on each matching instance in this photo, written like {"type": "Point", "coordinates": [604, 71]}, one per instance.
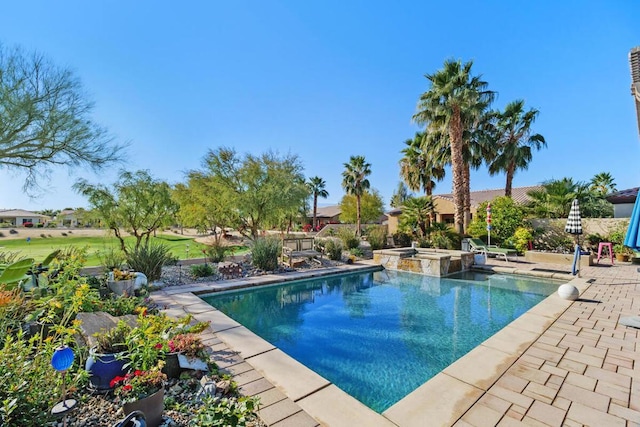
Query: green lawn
{"type": "Point", "coordinates": [38, 247]}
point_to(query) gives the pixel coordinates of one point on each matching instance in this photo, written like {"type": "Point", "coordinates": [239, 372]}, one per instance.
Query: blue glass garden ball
{"type": "Point", "coordinates": [62, 358]}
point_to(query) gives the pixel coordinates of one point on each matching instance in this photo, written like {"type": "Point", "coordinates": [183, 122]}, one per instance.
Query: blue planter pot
{"type": "Point", "coordinates": [103, 368]}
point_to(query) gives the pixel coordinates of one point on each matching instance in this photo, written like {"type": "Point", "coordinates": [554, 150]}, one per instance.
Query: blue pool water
{"type": "Point", "coordinates": [380, 335]}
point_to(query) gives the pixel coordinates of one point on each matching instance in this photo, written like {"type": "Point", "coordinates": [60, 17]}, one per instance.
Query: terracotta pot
{"type": "Point", "coordinates": [151, 406]}
{"type": "Point", "coordinates": [621, 257]}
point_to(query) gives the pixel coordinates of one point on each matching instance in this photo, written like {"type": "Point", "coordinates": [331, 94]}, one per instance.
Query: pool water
{"type": "Point", "coordinates": [380, 335]}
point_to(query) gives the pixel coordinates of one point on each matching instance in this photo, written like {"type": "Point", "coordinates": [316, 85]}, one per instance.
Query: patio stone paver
{"type": "Point", "coordinates": [567, 364]}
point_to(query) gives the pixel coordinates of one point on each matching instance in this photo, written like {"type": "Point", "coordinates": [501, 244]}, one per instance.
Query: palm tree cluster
{"type": "Point", "coordinates": [461, 131]}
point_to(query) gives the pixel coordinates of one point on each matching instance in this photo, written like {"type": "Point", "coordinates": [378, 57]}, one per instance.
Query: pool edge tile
{"type": "Point", "coordinates": [440, 401]}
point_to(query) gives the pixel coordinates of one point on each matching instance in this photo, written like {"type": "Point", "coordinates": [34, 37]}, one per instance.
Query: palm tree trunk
{"type": "Point", "coordinates": [509, 186]}
{"type": "Point", "coordinates": [315, 211]}
{"type": "Point", "coordinates": [358, 215]}
{"type": "Point", "coordinates": [457, 168]}
{"type": "Point", "coordinates": [467, 196]}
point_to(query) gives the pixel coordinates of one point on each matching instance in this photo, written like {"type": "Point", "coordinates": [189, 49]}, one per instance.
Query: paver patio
{"type": "Point", "coordinates": [561, 364]}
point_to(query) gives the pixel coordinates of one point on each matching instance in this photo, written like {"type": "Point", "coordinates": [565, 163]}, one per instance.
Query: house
{"type": "Point", "coordinates": [634, 62]}
{"type": "Point", "coordinates": [445, 207]}
{"type": "Point", "coordinates": [67, 218]}
{"type": "Point", "coordinates": [325, 215]}
{"type": "Point", "coordinates": [18, 217]}
{"type": "Point", "coordinates": [623, 202]}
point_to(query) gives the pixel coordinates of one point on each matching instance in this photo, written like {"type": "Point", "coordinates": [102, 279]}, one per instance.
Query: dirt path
{"type": "Point", "coordinates": [24, 232]}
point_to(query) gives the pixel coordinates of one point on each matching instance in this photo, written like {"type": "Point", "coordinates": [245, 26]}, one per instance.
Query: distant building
{"type": "Point", "coordinates": [445, 208]}
{"type": "Point", "coordinates": [325, 215]}
{"type": "Point", "coordinates": [67, 218]}
{"type": "Point", "coordinates": [19, 217]}
{"type": "Point", "coordinates": [623, 202]}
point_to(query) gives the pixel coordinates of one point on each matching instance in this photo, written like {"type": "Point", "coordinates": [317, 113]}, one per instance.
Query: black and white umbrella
{"type": "Point", "coordinates": [574, 221]}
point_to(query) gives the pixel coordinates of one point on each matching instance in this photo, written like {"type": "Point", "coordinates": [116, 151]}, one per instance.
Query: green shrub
{"type": "Point", "coordinates": [201, 270]}
{"type": "Point", "coordinates": [401, 239]}
{"type": "Point", "coordinates": [332, 247]}
{"type": "Point", "coordinates": [356, 252]}
{"type": "Point", "coordinates": [264, 253]}
{"type": "Point", "coordinates": [377, 237]}
{"type": "Point", "coordinates": [520, 240]}
{"type": "Point", "coordinates": [592, 241]}
{"type": "Point", "coordinates": [216, 252]}
{"type": "Point", "coordinates": [236, 412]}
{"type": "Point", "coordinates": [349, 238]}
{"type": "Point", "coordinates": [148, 259]}
{"type": "Point", "coordinates": [111, 258]}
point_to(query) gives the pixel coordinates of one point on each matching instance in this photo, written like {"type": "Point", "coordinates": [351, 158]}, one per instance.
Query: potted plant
{"type": "Point", "coordinates": [142, 391]}
{"type": "Point", "coordinates": [121, 282]}
{"type": "Point", "coordinates": [108, 358]}
{"type": "Point", "coordinates": [620, 251]}
{"type": "Point", "coordinates": [190, 350]}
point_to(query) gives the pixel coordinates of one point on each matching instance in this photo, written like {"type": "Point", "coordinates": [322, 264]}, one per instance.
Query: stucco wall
{"type": "Point", "coordinates": [602, 226]}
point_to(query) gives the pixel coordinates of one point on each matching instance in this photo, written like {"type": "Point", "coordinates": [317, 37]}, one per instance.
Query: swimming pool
{"type": "Point", "coordinates": [378, 336]}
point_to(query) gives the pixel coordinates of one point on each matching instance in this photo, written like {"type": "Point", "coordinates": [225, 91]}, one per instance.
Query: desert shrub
{"type": "Point", "coordinates": [1, 234]}
{"type": "Point", "coordinates": [332, 247]}
{"type": "Point", "coordinates": [401, 239]}
{"type": "Point", "coordinates": [13, 231]}
{"type": "Point", "coordinates": [111, 258]}
{"type": "Point", "coordinates": [148, 259]}
{"type": "Point", "coordinates": [64, 234]}
{"type": "Point", "coordinates": [356, 252]}
{"type": "Point", "coordinates": [44, 236]}
{"type": "Point", "coordinates": [39, 225]}
{"type": "Point", "coordinates": [238, 412]}
{"type": "Point", "coordinates": [553, 238]}
{"type": "Point", "coordinates": [5, 224]}
{"type": "Point", "coordinates": [349, 238]}
{"type": "Point", "coordinates": [264, 253]}
{"type": "Point", "coordinates": [377, 237]}
{"type": "Point", "coordinates": [216, 252]}
{"type": "Point", "coordinates": [592, 241]}
{"type": "Point", "coordinates": [201, 270]}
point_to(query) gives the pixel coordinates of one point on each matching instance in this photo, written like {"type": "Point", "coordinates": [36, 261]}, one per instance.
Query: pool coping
{"type": "Point", "coordinates": [442, 400]}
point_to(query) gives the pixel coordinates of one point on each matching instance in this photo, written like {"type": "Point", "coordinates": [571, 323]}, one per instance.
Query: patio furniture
{"type": "Point", "coordinates": [299, 248]}
{"type": "Point", "coordinates": [609, 247]}
{"type": "Point", "coordinates": [479, 246]}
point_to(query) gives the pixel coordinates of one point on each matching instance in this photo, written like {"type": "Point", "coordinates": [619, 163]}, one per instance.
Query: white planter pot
{"type": "Point", "coordinates": [192, 363]}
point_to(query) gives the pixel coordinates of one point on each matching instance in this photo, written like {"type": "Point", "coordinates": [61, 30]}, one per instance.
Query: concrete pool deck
{"type": "Point", "coordinates": [562, 363]}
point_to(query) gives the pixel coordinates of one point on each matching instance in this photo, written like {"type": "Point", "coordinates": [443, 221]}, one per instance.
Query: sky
{"type": "Point", "coordinates": [329, 80]}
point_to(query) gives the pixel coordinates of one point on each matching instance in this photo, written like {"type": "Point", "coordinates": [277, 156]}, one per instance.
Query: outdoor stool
{"type": "Point", "coordinates": [607, 245]}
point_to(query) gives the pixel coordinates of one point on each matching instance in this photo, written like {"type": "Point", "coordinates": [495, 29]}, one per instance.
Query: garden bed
{"type": "Point", "coordinates": [557, 258]}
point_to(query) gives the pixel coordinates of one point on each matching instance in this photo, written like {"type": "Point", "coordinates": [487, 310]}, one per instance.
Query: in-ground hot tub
{"type": "Point", "coordinates": [432, 262]}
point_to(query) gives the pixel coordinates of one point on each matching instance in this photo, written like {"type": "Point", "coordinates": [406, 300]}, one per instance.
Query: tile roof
{"type": "Point", "coordinates": [623, 196]}
{"type": "Point", "coordinates": [326, 211]}
{"type": "Point", "coordinates": [5, 213]}
{"type": "Point", "coordinates": [518, 194]}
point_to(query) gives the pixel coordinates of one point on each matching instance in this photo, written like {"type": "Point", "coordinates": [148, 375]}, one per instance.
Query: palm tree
{"type": "Point", "coordinates": [355, 182]}
{"type": "Point", "coordinates": [555, 197]}
{"type": "Point", "coordinates": [400, 195]}
{"type": "Point", "coordinates": [417, 213]}
{"type": "Point", "coordinates": [455, 101]}
{"type": "Point", "coordinates": [418, 167]}
{"type": "Point", "coordinates": [317, 188]}
{"type": "Point", "coordinates": [603, 184]}
{"type": "Point", "coordinates": [514, 141]}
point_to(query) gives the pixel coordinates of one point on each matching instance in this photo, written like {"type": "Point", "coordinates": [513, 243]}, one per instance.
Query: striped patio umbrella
{"type": "Point", "coordinates": [632, 238]}
{"type": "Point", "coordinates": [574, 221]}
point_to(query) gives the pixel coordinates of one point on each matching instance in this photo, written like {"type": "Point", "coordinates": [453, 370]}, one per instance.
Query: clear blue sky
{"type": "Point", "coordinates": [327, 80]}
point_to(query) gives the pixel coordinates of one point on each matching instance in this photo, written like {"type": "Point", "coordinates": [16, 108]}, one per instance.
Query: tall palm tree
{"type": "Point", "coordinates": [355, 182]}
{"type": "Point", "coordinates": [602, 184]}
{"type": "Point", "coordinates": [419, 167]}
{"type": "Point", "coordinates": [514, 141]}
{"type": "Point", "coordinates": [317, 188]}
{"type": "Point", "coordinates": [453, 102]}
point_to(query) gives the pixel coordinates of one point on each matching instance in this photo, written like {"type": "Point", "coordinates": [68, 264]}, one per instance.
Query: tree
{"type": "Point", "coordinates": [317, 189]}
{"type": "Point", "coordinates": [603, 184]}
{"type": "Point", "coordinates": [506, 217]}
{"type": "Point", "coordinates": [416, 215]}
{"type": "Point", "coordinates": [355, 182]}
{"type": "Point", "coordinates": [514, 141]}
{"type": "Point", "coordinates": [418, 167]}
{"type": "Point", "coordinates": [454, 102]}
{"type": "Point", "coordinates": [400, 195]}
{"type": "Point", "coordinates": [255, 192]}
{"type": "Point", "coordinates": [45, 119]}
{"type": "Point", "coordinates": [371, 207]}
{"type": "Point", "coordinates": [137, 204]}
{"type": "Point", "coordinates": [554, 199]}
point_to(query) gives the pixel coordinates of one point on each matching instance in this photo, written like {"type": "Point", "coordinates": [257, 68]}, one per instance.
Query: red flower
{"type": "Point", "coordinates": [115, 381]}
{"type": "Point", "coordinates": [127, 387]}
{"type": "Point", "coordinates": [137, 373]}
{"type": "Point", "coordinates": [159, 346]}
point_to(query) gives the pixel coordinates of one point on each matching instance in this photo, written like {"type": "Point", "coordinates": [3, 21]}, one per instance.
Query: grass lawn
{"type": "Point", "coordinates": [38, 248]}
